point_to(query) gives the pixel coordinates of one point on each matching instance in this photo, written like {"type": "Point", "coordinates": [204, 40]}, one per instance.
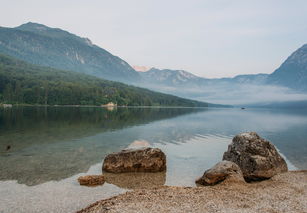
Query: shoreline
{"type": "Point", "coordinates": [286, 192]}
{"type": "Point", "coordinates": [117, 106]}
{"type": "Point", "coordinates": [121, 106]}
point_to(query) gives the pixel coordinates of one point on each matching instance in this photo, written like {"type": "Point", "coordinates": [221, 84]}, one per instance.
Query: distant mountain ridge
{"type": "Point", "coordinates": [141, 68]}
{"type": "Point", "coordinates": [167, 76]}
{"type": "Point", "coordinates": [287, 84]}
{"type": "Point", "coordinates": [180, 78]}
{"type": "Point", "coordinates": [53, 47]}
{"type": "Point", "coordinates": [292, 74]}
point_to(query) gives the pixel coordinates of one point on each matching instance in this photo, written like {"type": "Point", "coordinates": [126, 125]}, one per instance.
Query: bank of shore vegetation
{"type": "Point", "coordinates": [24, 83]}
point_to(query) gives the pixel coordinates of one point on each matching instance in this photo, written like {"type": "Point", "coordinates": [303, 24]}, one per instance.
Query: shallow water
{"type": "Point", "coordinates": [51, 147]}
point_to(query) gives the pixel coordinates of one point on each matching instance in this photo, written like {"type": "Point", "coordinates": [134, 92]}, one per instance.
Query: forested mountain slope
{"type": "Point", "coordinates": [53, 47]}
{"type": "Point", "coordinates": [21, 82]}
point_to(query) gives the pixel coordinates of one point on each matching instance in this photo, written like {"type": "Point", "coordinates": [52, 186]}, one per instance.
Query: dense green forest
{"type": "Point", "coordinates": [23, 83]}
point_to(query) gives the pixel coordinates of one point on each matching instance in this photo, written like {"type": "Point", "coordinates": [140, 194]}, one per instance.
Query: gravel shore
{"type": "Point", "coordinates": [285, 192]}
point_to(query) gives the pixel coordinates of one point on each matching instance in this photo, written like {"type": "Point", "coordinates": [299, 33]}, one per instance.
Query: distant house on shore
{"type": "Point", "coordinates": [110, 104]}
{"type": "Point", "coordinates": [6, 105]}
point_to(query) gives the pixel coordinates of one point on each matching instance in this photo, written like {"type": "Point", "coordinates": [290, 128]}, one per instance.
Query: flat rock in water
{"type": "Point", "coordinates": [220, 172]}
{"type": "Point", "coordinates": [91, 180]}
{"type": "Point", "coordinates": [257, 157]}
{"type": "Point", "coordinates": [135, 160]}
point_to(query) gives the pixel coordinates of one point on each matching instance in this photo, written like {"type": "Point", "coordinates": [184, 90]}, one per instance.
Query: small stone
{"type": "Point", "coordinates": [91, 180]}
{"type": "Point", "coordinates": [220, 172]}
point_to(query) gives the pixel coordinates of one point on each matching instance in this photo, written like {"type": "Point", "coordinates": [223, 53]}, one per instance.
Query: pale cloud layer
{"type": "Point", "coordinates": [208, 38]}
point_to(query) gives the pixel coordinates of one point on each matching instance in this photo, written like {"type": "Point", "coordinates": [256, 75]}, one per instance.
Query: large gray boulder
{"type": "Point", "coordinates": [224, 171]}
{"type": "Point", "coordinates": [257, 157]}
{"type": "Point", "coordinates": [135, 160]}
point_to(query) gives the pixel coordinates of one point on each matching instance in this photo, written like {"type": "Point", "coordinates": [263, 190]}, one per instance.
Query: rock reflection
{"type": "Point", "coordinates": [136, 180]}
{"type": "Point", "coordinates": [138, 144]}
{"type": "Point", "coordinates": [53, 143]}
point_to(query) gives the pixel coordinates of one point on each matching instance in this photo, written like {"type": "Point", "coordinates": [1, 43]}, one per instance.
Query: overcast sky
{"type": "Point", "coordinates": [210, 38]}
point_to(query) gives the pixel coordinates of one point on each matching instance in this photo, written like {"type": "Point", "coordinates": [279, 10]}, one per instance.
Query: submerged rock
{"type": "Point", "coordinates": [91, 180]}
{"type": "Point", "coordinates": [222, 171]}
{"type": "Point", "coordinates": [135, 160]}
{"type": "Point", "coordinates": [257, 157]}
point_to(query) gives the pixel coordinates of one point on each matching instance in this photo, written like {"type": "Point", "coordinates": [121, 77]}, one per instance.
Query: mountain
{"type": "Point", "coordinates": [288, 84]}
{"type": "Point", "coordinates": [251, 78]}
{"type": "Point", "coordinates": [186, 84]}
{"type": "Point", "coordinates": [179, 78]}
{"type": "Point", "coordinates": [168, 77]}
{"type": "Point", "coordinates": [140, 68]}
{"type": "Point", "coordinates": [24, 83]}
{"type": "Point", "coordinates": [293, 72]}
{"type": "Point", "coordinates": [56, 48]}
{"type": "Point", "coordinates": [53, 47]}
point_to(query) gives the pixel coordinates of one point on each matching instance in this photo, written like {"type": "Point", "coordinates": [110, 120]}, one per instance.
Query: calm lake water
{"type": "Point", "coordinates": [50, 147]}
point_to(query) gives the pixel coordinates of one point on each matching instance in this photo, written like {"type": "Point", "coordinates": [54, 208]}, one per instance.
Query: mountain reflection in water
{"type": "Point", "coordinates": [55, 143]}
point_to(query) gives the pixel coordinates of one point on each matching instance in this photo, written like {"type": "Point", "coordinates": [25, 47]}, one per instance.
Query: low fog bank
{"type": "Point", "coordinates": [238, 94]}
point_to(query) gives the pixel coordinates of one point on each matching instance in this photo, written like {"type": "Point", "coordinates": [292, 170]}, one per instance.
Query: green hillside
{"type": "Point", "coordinates": [59, 49]}
{"type": "Point", "coordinates": [23, 83]}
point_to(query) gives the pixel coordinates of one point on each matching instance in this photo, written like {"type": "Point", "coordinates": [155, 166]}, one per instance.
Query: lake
{"type": "Point", "coordinates": [43, 150]}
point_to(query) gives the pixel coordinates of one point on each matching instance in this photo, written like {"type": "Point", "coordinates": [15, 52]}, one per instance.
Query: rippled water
{"type": "Point", "coordinates": [44, 150]}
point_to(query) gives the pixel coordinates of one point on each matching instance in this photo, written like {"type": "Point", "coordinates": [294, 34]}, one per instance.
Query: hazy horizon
{"type": "Point", "coordinates": [209, 39]}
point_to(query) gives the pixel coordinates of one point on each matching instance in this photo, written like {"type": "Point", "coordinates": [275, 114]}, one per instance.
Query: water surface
{"type": "Point", "coordinates": [50, 147]}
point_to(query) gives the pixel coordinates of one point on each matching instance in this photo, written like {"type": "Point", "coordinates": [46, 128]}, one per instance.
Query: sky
{"type": "Point", "coordinates": [209, 38]}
